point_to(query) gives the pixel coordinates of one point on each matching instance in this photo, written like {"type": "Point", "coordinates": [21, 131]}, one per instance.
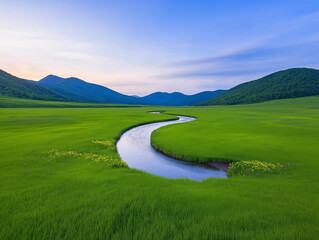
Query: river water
{"type": "Point", "coordinates": [134, 147]}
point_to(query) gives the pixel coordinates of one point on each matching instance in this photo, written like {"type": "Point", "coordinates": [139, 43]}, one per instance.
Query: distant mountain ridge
{"type": "Point", "coordinates": [82, 91]}
{"type": "Point", "coordinates": [290, 83]}
{"type": "Point", "coordinates": [180, 99]}
{"type": "Point", "coordinates": [54, 88]}
{"type": "Point", "coordinates": [12, 86]}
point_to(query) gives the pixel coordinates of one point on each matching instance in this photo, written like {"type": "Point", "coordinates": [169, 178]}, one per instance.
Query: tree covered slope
{"type": "Point", "coordinates": [290, 83]}
{"type": "Point", "coordinates": [12, 86]}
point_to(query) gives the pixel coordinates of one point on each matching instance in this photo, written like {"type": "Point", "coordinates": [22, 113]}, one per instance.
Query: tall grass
{"type": "Point", "coordinates": [74, 198]}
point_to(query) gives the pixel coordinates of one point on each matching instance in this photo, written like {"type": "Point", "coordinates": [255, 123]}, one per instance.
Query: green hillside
{"type": "Point", "coordinates": [12, 86]}
{"type": "Point", "coordinates": [291, 83]}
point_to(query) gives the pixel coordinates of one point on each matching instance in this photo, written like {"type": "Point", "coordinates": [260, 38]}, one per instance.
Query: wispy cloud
{"type": "Point", "coordinates": [274, 53]}
{"type": "Point", "coordinates": [158, 45]}
{"type": "Point", "coordinates": [302, 52]}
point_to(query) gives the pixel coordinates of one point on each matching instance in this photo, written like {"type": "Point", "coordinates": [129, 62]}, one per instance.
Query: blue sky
{"type": "Point", "coordinates": [138, 47]}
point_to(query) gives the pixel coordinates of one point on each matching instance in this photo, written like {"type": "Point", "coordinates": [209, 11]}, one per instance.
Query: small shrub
{"type": "Point", "coordinates": [107, 161]}
{"type": "Point", "coordinates": [253, 168]}
{"type": "Point", "coordinates": [106, 143]}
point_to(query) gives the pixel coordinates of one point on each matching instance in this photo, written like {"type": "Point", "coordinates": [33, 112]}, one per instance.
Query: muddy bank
{"type": "Point", "coordinates": [214, 165]}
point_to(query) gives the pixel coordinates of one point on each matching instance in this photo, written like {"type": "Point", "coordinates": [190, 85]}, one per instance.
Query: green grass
{"type": "Point", "coordinates": [284, 131]}
{"type": "Point", "coordinates": [9, 102]}
{"type": "Point", "coordinates": [81, 199]}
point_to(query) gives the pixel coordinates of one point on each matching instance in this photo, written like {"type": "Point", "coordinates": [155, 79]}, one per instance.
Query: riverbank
{"type": "Point", "coordinates": [215, 165]}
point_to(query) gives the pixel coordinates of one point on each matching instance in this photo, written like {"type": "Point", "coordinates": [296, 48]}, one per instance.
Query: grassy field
{"type": "Point", "coordinates": [285, 131]}
{"type": "Point", "coordinates": [72, 197]}
{"type": "Point", "coordinates": [9, 102]}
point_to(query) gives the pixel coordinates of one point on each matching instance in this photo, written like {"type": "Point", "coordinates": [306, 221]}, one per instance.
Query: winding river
{"type": "Point", "coordinates": [134, 147]}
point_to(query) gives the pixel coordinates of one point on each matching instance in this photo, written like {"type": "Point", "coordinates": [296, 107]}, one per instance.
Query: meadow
{"type": "Point", "coordinates": [10, 102]}
{"type": "Point", "coordinates": [283, 131]}
{"type": "Point", "coordinates": [52, 187]}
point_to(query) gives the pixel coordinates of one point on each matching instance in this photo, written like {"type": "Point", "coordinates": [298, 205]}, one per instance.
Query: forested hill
{"type": "Point", "coordinates": [290, 83]}
{"type": "Point", "coordinates": [12, 86]}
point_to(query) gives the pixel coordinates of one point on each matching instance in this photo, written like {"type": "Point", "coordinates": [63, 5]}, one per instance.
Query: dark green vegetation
{"type": "Point", "coordinates": [291, 83]}
{"type": "Point", "coordinates": [76, 198]}
{"type": "Point", "coordinates": [179, 99]}
{"type": "Point", "coordinates": [8, 102]}
{"type": "Point", "coordinates": [12, 86]}
{"type": "Point", "coordinates": [82, 91]}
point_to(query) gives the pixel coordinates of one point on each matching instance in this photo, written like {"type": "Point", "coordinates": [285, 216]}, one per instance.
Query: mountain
{"type": "Point", "coordinates": [12, 86]}
{"type": "Point", "coordinates": [54, 88]}
{"type": "Point", "coordinates": [179, 99]}
{"type": "Point", "coordinates": [290, 83]}
{"type": "Point", "coordinates": [82, 91]}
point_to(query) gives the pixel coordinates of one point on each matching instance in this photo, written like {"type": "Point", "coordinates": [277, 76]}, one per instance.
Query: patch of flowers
{"type": "Point", "coordinates": [253, 168]}
{"type": "Point", "coordinates": [106, 143]}
{"type": "Point", "coordinates": [107, 161]}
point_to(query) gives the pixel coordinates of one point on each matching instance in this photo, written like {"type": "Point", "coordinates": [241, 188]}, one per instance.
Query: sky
{"type": "Point", "coordinates": [138, 47]}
